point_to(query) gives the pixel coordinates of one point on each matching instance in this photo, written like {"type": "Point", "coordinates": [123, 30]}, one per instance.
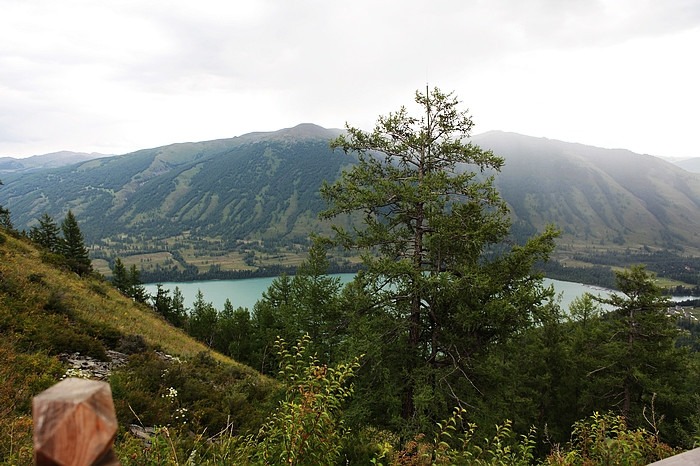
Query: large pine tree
{"type": "Point", "coordinates": [441, 282]}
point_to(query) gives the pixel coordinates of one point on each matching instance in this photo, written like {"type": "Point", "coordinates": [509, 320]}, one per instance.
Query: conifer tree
{"type": "Point", "coordinates": [178, 311]}
{"type": "Point", "coordinates": [136, 289]}
{"type": "Point", "coordinates": [73, 246]}
{"type": "Point", "coordinates": [47, 234]}
{"type": "Point", "coordinates": [443, 281]}
{"type": "Point", "coordinates": [120, 278]}
{"type": "Point", "coordinates": [203, 321]}
{"type": "Point", "coordinates": [638, 359]}
{"type": "Point", "coordinates": [235, 332]}
{"type": "Point", "coordinates": [162, 301]}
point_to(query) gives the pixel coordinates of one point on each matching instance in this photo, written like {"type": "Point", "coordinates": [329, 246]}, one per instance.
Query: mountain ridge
{"type": "Point", "coordinates": [50, 160]}
{"type": "Point", "coordinates": [253, 199]}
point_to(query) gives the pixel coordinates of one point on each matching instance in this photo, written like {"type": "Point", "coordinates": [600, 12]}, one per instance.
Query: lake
{"type": "Point", "coordinates": [246, 292]}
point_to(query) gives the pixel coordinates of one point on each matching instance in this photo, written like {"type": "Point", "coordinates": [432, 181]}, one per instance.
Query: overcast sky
{"type": "Point", "coordinates": [122, 75]}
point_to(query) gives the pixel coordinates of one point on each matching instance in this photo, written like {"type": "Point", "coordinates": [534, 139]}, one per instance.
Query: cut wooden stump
{"type": "Point", "coordinates": [74, 424]}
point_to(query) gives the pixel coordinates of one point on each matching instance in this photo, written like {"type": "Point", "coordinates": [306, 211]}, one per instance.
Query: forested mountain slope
{"type": "Point", "coordinates": [212, 197]}
{"type": "Point", "coordinates": [257, 185]}
{"type": "Point", "coordinates": [597, 196]}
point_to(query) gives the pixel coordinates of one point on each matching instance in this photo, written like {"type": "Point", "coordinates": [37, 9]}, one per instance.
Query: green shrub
{"type": "Point", "coordinates": [132, 344]}
{"type": "Point", "coordinates": [57, 304]}
{"type": "Point", "coordinates": [36, 278]}
{"type": "Point", "coordinates": [605, 439]}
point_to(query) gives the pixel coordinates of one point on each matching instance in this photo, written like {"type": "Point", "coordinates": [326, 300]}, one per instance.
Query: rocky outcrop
{"type": "Point", "coordinates": [90, 368]}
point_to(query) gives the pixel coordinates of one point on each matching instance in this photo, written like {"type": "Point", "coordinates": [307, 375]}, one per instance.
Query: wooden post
{"type": "Point", "coordinates": [74, 424]}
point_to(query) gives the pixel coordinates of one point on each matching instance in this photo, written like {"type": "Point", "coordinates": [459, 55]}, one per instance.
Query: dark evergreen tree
{"type": "Point", "coordinates": [136, 290]}
{"type": "Point", "coordinates": [443, 281]}
{"type": "Point", "coordinates": [235, 332]}
{"type": "Point", "coordinates": [637, 362]}
{"type": "Point", "coordinates": [272, 319]}
{"type": "Point", "coordinates": [162, 302]}
{"type": "Point", "coordinates": [47, 234]}
{"type": "Point", "coordinates": [120, 277]}
{"type": "Point", "coordinates": [178, 311]}
{"type": "Point", "coordinates": [316, 308]}
{"type": "Point", "coordinates": [73, 246]}
{"type": "Point", "coordinates": [203, 321]}
{"type": "Point", "coordinates": [307, 303]}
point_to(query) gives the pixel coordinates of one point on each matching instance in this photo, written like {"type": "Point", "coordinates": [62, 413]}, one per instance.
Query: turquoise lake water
{"type": "Point", "coordinates": [246, 292]}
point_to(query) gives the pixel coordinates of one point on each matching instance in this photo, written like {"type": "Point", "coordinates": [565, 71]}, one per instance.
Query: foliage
{"type": "Point", "coordinates": [171, 308]}
{"type": "Point", "coordinates": [73, 246]}
{"type": "Point", "coordinates": [294, 306]}
{"type": "Point", "coordinates": [199, 391]}
{"type": "Point", "coordinates": [120, 278]}
{"type": "Point", "coordinates": [47, 234]}
{"type": "Point", "coordinates": [203, 321]}
{"type": "Point", "coordinates": [442, 282]}
{"type": "Point", "coordinates": [606, 439]}
{"type": "Point", "coordinates": [455, 443]}
{"type": "Point", "coordinates": [129, 282]}
{"type": "Point", "coordinates": [671, 264]}
{"type": "Point", "coordinates": [235, 332]}
{"type": "Point", "coordinates": [306, 427]}
{"type": "Point", "coordinates": [639, 357]}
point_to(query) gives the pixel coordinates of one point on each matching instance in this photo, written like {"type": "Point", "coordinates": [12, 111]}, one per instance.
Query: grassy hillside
{"type": "Point", "coordinates": [46, 311]}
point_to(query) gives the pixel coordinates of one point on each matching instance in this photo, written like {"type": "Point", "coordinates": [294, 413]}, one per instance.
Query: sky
{"type": "Point", "coordinates": [121, 75]}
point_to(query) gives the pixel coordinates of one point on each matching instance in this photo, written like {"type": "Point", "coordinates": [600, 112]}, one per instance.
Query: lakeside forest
{"type": "Point", "coordinates": [446, 332]}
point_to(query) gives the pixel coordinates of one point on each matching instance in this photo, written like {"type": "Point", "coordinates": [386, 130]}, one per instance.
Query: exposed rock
{"type": "Point", "coordinates": [143, 433]}
{"type": "Point", "coordinates": [89, 367]}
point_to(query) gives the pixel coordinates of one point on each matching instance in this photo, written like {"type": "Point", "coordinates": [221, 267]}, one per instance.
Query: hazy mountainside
{"type": "Point", "coordinates": [264, 186]}
{"type": "Point", "coordinates": [52, 160]}
{"type": "Point", "coordinates": [597, 196]}
{"type": "Point", "coordinates": [691, 165]}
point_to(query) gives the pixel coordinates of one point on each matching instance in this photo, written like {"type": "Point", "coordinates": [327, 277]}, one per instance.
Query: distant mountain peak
{"type": "Point", "coordinates": [300, 131]}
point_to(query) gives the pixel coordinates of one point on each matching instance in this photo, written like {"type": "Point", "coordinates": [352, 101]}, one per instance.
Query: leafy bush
{"type": "Point", "coordinates": [306, 428]}
{"type": "Point", "coordinates": [36, 278]}
{"type": "Point", "coordinates": [605, 439]}
{"type": "Point", "coordinates": [132, 344]}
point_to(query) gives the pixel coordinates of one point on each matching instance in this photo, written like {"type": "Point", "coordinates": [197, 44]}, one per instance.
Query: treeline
{"type": "Point", "coordinates": [596, 275]}
{"type": "Point", "coordinates": [664, 263]}
{"type": "Point", "coordinates": [192, 273]}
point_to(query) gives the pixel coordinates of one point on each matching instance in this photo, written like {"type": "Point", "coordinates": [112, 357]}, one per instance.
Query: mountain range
{"type": "Point", "coordinates": [52, 160]}
{"type": "Point", "coordinates": [254, 198]}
